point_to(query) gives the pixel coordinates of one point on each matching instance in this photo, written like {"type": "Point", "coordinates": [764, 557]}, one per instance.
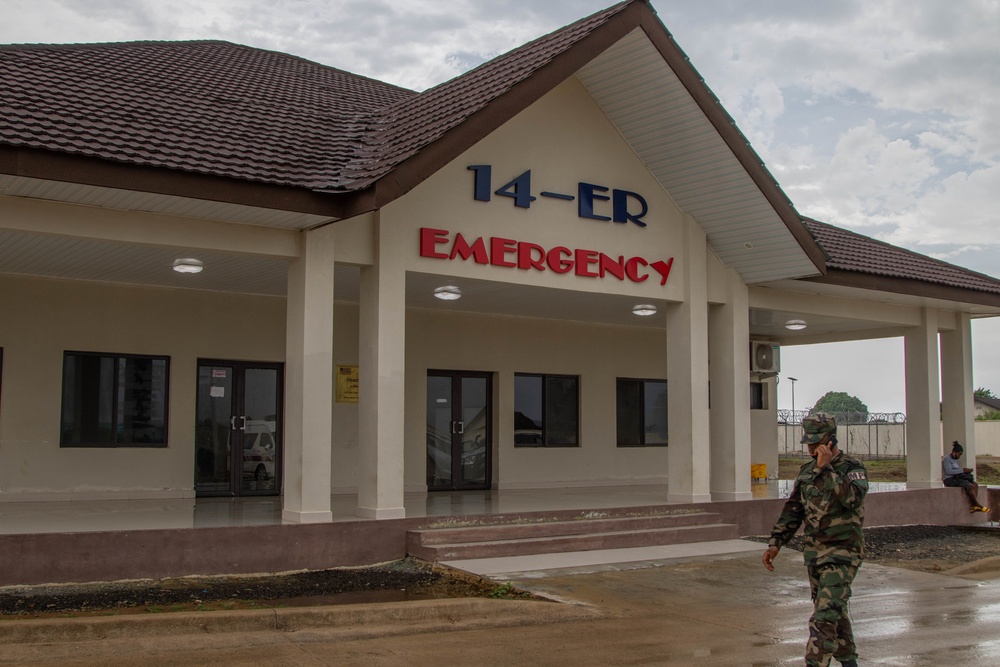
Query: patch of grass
{"type": "Point", "coordinates": [894, 470]}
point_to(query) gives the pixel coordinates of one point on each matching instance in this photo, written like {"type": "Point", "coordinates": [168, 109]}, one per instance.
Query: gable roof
{"type": "Point", "coordinates": [347, 145]}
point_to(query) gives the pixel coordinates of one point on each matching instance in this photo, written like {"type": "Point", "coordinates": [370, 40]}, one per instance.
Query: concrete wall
{"type": "Point", "coordinates": [508, 345]}
{"type": "Point", "coordinates": [884, 440]}
{"type": "Point", "coordinates": [44, 318]}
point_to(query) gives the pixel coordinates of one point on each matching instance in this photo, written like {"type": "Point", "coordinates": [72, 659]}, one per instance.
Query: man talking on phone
{"type": "Point", "coordinates": [828, 497]}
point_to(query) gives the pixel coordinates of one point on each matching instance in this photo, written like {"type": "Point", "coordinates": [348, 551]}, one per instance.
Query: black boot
{"type": "Point", "coordinates": [849, 663]}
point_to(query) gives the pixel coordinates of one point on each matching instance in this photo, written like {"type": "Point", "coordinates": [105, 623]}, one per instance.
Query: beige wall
{"type": "Point", "coordinates": [564, 139]}
{"type": "Point", "coordinates": [508, 345]}
{"type": "Point", "coordinates": [43, 318]}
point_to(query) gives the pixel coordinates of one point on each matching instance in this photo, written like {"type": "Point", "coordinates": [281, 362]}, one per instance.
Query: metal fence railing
{"type": "Point", "coordinates": [870, 435]}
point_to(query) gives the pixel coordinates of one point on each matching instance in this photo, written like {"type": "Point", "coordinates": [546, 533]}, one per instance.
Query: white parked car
{"type": "Point", "coordinates": [258, 450]}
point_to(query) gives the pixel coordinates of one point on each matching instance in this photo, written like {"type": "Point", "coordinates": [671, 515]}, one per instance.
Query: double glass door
{"type": "Point", "coordinates": [459, 429]}
{"type": "Point", "coordinates": [238, 433]}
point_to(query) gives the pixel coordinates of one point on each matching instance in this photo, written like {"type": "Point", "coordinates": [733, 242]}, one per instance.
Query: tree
{"type": "Point", "coordinates": [840, 401]}
{"type": "Point", "coordinates": [983, 392]}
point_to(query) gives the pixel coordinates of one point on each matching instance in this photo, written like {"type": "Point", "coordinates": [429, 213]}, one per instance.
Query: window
{"type": "Point", "coordinates": [642, 413]}
{"type": "Point", "coordinates": [114, 400]}
{"type": "Point", "coordinates": [546, 410]}
{"type": "Point", "coordinates": [757, 396]}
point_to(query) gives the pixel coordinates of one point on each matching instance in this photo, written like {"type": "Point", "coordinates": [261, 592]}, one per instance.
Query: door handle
{"type": "Point", "coordinates": [232, 423]}
{"type": "Point", "coordinates": [243, 422]}
{"type": "Point", "coordinates": [458, 427]}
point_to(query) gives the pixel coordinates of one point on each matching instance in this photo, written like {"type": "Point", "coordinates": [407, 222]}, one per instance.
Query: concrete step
{"type": "Point", "coordinates": [507, 540]}
{"type": "Point", "coordinates": [545, 527]}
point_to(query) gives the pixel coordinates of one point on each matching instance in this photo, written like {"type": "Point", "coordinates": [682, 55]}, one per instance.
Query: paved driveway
{"type": "Point", "coordinates": [714, 611]}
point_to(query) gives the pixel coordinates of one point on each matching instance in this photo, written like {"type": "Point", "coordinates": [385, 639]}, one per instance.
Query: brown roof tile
{"type": "Point", "coordinates": [208, 107]}
{"type": "Point", "coordinates": [404, 128]}
{"type": "Point", "coordinates": [852, 252]}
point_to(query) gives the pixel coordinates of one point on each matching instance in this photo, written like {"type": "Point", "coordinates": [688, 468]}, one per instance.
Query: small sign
{"type": "Point", "coordinates": [347, 384]}
{"type": "Point", "coordinates": [220, 372]}
{"type": "Point", "coordinates": [217, 392]}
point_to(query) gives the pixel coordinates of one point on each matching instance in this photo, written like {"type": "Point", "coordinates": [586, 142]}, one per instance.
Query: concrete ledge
{"type": "Point", "coordinates": [360, 620]}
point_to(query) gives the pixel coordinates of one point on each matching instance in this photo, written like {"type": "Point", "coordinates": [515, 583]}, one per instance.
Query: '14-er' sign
{"type": "Point", "coordinates": [527, 256]}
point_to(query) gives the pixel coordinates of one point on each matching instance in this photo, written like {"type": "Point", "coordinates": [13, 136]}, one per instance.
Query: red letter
{"type": "Point", "coordinates": [615, 268]}
{"type": "Point", "coordinates": [663, 268]}
{"type": "Point", "coordinates": [477, 250]}
{"type": "Point", "coordinates": [557, 263]}
{"type": "Point", "coordinates": [584, 258]}
{"type": "Point", "coordinates": [525, 259]}
{"type": "Point", "coordinates": [429, 238]}
{"type": "Point", "coordinates": [632, 269]}
{"type": "Point", "coordinates": [498, 250]}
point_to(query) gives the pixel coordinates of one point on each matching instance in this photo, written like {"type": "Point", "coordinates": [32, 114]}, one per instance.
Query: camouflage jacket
{"type": "Point", "coordinates": [830, 502]}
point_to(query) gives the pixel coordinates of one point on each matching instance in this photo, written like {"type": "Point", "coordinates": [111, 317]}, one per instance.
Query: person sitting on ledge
{"type": "Point", "coordinates": [953, 474]}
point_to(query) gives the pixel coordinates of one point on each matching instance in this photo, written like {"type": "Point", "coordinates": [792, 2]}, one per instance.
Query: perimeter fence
{"type": "Point", "coordinates": [866, 435]}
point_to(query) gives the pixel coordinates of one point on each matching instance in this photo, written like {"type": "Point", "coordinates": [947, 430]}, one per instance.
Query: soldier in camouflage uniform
{"type": "Point", "coordinates": [828, 497]}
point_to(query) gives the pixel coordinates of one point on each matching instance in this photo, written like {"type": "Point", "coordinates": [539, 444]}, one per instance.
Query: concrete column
{"type": "Point", "coordinates": [688, 453]}
{"type": "Point", "coordinates": [923, 411]}
{"type": "Point", "coordinates": [957, 391]}
{"type": "Point", "coordinates": [729, 373]}
{"type": "Point", "coordinates": [309, 381]}
{"type": "Point", "coordinates": [381, 388]}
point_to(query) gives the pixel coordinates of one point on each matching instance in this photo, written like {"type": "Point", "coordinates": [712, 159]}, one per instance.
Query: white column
{"type": "Point", "coordinates": [309, 381]}
{"type": "Point", "coordinates": [923, 411]}
{"type": "Point", "coordinates": [957, 410]}
{"type": "Point", "coordinates": [688, 452]}
{"type": "Point", "coordinates": [381, 387]}
{"type": "Point", "coordinates": [729, 363]}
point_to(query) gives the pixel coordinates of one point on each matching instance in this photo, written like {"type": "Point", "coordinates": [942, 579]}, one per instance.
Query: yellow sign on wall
{"type": "Point", "coordinates": [347, 384]}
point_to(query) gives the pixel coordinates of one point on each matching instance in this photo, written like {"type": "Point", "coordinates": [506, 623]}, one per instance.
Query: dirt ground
{"type": "Point", "coordinates": [894, 470]}
{"type": "Point", "coordinates": [923, 548]}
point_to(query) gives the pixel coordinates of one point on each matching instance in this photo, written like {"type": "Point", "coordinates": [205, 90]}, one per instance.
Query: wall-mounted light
{"type": "Point", "coordinates": [796, 325]}
{"type": "Point", "coordinates": [644, 309]}
{"type": "Point", "coordinates": [188, 265]}
{"type": "Point", "coordinates": [448, 293]}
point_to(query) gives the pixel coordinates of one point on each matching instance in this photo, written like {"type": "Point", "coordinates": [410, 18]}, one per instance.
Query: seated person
{"type": "Point", "coordinates": [953, 474]}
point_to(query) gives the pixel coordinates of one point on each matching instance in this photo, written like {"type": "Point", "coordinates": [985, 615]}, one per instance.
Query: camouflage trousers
{"type": "Point", "coordinates": [830, 634]}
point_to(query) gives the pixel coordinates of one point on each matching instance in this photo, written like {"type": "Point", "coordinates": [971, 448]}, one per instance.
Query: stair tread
{"type": "Point", "coordinates": [566, 522]}
{"type": "Point", "coordinates": [584, 536]}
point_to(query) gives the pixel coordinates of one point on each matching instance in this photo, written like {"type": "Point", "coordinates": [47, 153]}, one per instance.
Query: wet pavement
{"type": "Point", "coordinates": [704, 611]}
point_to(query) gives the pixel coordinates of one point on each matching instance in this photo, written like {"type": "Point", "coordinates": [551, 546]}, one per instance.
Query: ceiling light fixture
{"type": "Point", "coordinates": [188, 265]}
{"type": "Point", "coordinates": [448, 293]}
{"type": "Point", "coordinates": [644, 309]}
{"type": "Point", "coordinates": [796, 325]}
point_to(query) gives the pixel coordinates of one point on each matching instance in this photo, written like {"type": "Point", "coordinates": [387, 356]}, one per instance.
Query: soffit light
{"type": "Point", "coordinates": [644, 309]}
{"type": "Point", "coordinates": [796, 325]}
{"type": "Point", "coordinates": [188, 265]}
{"type": "Point", "coordinates": [448, 292]}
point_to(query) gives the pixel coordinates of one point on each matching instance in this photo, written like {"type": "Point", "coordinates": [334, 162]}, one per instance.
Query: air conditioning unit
{"type": "Point", "coordinates": [765, 357]}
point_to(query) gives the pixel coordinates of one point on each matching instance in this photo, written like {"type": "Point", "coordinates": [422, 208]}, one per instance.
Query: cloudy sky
{"type": "Point", "coordinates": [882, 116]}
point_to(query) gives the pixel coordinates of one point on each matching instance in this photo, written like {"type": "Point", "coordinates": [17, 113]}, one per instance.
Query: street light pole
{"type": "Point", "coordinates": [793, 381]}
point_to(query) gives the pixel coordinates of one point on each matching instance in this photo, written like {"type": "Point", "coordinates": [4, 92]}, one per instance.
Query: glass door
{"type": "Point", "coordinates": [459, 434]}
{"type": "Point", "coordinates": [238, 429]}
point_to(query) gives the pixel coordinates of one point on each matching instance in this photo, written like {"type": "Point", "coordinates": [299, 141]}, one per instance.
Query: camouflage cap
{"type": "Point", "coordinates": [816, 426]}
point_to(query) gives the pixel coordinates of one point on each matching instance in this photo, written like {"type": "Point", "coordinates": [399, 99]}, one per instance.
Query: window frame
{"type": "Point", "coordinates": [544, 377]}
{"type": "Point", "coordinates": [759, 393]}
{"type": "Point", "coordinates": [115, 389]}
{"type": "Point", "coordinates": [642, 382]}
